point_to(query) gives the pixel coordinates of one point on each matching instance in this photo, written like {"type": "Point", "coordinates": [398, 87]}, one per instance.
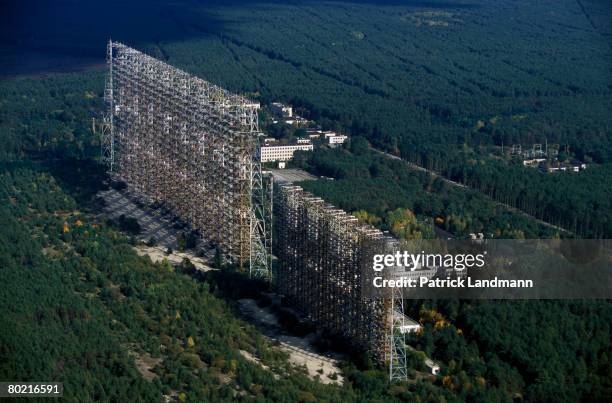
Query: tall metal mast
{"type": "Point", "coordinates": [108, 132]}
{"type": "Point", "coordinates": [396, 338]}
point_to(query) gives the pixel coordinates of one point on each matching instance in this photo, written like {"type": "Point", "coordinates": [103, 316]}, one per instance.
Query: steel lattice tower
{"type": "Point", "coordinates": [323, 254]}
{"type": "Point", "coordinates": [180, 140]}
{"type": "Point", "coordinates": [396, 338]}
{"type": "Point", "coordinates": [192, 145]}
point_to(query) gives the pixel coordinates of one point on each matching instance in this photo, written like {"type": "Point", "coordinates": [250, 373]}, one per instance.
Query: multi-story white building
{"type": "Point", "coordinates": [337, 139]}
{"type": "Point", "coordinates": [330, 137]}
{"type": "Point", "coordinates": [282, 153]}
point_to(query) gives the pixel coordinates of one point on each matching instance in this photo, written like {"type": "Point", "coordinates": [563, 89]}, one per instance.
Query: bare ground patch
{"type": "Point", "coordinates": [158, 253]}
{"type": "Point", "coordinates": [300, 349]}
{"type": "Point", "coordinates": [145, 363]}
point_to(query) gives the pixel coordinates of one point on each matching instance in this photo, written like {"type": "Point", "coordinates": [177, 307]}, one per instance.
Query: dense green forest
{"type": "Point", "coordinates": [572, 199]}
{"type": "Point", "coordinates": [367, 181]}
{"type": "Point", "coordinates": [443, 84]}
{"type": "Point", "coordinates": [74, 283]}
{"type": "Point", "coordinates": [79, 306]}
{"type": "Point", "coordinates": [541, 351]}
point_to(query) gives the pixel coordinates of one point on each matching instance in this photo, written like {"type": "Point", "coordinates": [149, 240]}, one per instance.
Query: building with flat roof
{"type": "Point", "coordinates": [335, 140]}
{"type": "Point", "coordinates": [282, 153]}
{"type": "Point", "coordinates": [534, 162]}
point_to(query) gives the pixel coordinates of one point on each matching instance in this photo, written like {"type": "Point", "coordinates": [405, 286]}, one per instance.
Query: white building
{"type": "Point", "coordinates": [533, 162]}
{"type": "Point", "coordinates": [405, 272]}
{"type": "Point", "coordinates": [335, 140]}
{"type": "Point", "coordinates": [409, 326]}
{"type": "Point", "coordinates": [304, 141]}
{"type": "Point", "coordinates": [282, 153]}
{"type": "Point", "coordinates": [297, 121]}
{"type": "Point", "coordinates": [567, 168]}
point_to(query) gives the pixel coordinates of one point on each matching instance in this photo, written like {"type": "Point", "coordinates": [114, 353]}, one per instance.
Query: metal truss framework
{"type": "Point", "coordinates": [180, 140]}
{"type": "Point", "coordinates": [322, 254]}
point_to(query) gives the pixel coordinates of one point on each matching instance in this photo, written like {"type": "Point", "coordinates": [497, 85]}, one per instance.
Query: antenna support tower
{"type": "Point", "coordinates": [396, 337]}
{"type": "Point", "coordinates": [191, 145]}
{"type": "Point", "coordinates": [324, 257]}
